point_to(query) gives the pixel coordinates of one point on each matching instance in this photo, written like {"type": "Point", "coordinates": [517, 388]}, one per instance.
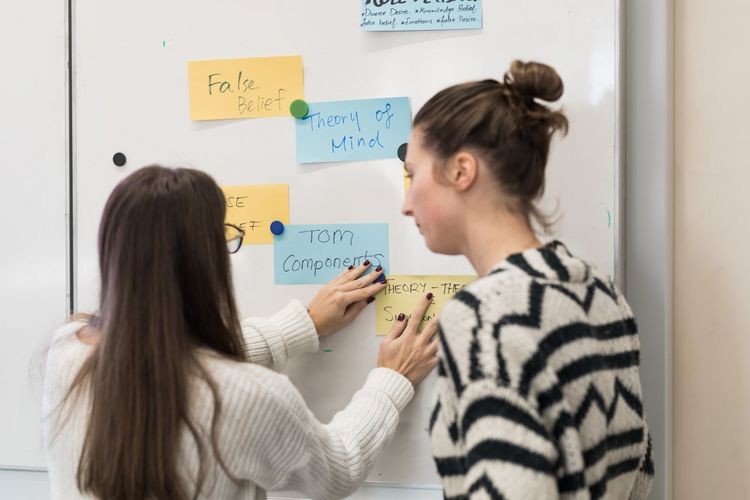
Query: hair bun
{"type": "Point", "coordinates": [534, 80]}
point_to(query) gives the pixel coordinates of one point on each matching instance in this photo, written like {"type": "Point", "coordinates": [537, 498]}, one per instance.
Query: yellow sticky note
{"type": "Point", "coordinates": [244, 88]}
{"type": "Point", "coordinates": [407, 181]}
{"type": "Point", "coordinates": [402, 293]}
{"type": "Point", "coordinates": [253, 208]}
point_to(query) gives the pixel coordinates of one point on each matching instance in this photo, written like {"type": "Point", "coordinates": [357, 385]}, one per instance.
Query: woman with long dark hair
{"type": "Point", "coordinates": [165, 394]}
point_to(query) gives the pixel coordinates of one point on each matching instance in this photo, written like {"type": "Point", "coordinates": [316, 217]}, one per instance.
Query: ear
{"type": "Point", "coordinates": [462, 170]}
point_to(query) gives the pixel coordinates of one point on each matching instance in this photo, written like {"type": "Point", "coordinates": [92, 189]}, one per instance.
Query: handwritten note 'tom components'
{"type": "Point", "coordinates": [367, 129]}
{"type": "Point", "coordinates": [316, 253]}
{"type": "Point", "coordinates": [403, 292]}
{"type": "Point", "coordinates": [252, 208]}
{"type": "Point", "coordinates": [244, 88]}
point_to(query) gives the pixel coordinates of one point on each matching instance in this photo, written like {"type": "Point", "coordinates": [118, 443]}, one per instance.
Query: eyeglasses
{"type": "Point", "coordinates": [234, 237]}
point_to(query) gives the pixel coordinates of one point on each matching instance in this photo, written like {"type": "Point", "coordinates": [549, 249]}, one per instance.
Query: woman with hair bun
{"type": "Point", "coordinates": [539, 394]}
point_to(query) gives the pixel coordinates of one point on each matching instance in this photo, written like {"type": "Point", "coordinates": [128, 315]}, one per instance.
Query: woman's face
{"type": "Point", "coordinates": [433, 204]}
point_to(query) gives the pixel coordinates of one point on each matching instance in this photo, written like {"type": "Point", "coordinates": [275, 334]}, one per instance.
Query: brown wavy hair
{"type": "Point", "coordinates": [503, 122]}
{"type": "Point", "coordinates": [166, 290]}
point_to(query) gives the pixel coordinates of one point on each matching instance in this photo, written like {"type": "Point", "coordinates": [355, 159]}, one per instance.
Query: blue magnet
{"type": "Point", "coordinates": [380, 279]}
{"type": "Point", "coordinates": [277, 227]}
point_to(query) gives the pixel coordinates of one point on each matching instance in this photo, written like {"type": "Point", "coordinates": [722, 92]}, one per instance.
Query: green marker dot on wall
{"type": "Point", "coordinates": [327, 350]}
{"type": "Point", "coordinates": [299, 108]}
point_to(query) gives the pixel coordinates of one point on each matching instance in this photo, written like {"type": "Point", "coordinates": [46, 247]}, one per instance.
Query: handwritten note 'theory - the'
{"type": "Point", "coordinates": [244, 88]}
{"type": "Point", "coordinates": [419, 15]}
{"type": "Point", "coordinates": [315, 253]}
{"type": "Point", "coordinates": [403, 292]}
{"type": "Point", "coordinates": [367, 129]}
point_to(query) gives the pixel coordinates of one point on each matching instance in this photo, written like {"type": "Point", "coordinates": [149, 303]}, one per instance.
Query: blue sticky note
{"type": "Point", "coordinates": [420, 15]}
{"type": "Point", "coordinates": [367, 129]}
{"type": "Point", "coordinates": [315, 253]}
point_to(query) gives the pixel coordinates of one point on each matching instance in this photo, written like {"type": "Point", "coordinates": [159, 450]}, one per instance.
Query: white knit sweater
{"type": "Point", "coordinates": [267, 435]}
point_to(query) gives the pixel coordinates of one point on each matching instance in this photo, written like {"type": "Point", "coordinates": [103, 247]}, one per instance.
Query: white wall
{"type": "Point", "coordinates": [712, 250]}
{"type": "Point", "coordinates": [33, 259]}
{"type": "Point", "coordinates": [33, 256]}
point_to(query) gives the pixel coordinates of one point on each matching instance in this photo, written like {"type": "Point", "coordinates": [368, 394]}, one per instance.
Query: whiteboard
{"type": "Point", "coordinates": [33, 248]}
{"type": "Point", "coordinates": [131, 97]}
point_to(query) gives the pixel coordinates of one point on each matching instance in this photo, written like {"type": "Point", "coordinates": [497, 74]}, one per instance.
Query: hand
{"type": "Point", "coordinates": [340, 301]}
{"type": "Point", "coordinates": [410, 353]}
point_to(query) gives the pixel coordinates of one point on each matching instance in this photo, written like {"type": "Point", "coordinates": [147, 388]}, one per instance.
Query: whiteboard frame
{"type": "Point", "coordinates": [651, 27]}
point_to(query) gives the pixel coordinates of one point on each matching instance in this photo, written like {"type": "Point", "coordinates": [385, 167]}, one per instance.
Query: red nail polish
{"type": "Point", "coordinates": [370, 300]}
{"type": "Point", "coordinates": [350, 268]}
{"type": "Point", "coordinates": [401, 317]}
{"type": "Point", "coordinates": [429, 296]}
{"type": "Point", "coordinates": [366, 263]}
{"type": "Point", "coordinates": [379, 268]}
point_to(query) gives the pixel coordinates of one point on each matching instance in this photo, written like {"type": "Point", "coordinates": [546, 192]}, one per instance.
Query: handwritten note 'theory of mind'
{"type": "Point", "coordinates": [419, 15]}
{"type": "Point", "coordinates": [403, 293]}
{"type": "Point", "coordinates": [315, 253]}
{"type": "Point", "coordinates": [367, 129]}
{"type": "Point", "coordinates": [244, 88]}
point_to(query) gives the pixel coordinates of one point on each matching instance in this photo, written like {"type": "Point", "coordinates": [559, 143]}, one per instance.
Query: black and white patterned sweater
{"type": "Point", "coordinates": [538, 394]}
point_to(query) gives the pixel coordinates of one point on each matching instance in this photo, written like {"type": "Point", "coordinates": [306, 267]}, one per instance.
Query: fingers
{"type": "Point", "coordinates": [362, 281]}
{"type": "Point", "coordinates": [398, 327]}
{"type": "Point", "coordinates": [419, 311]}
{"type": "Point", "coordinates": [429, 334]}
{"type": "Point", "coordinates": [351, 272]}
{"type": "Point", "coordinates": [363, 293]}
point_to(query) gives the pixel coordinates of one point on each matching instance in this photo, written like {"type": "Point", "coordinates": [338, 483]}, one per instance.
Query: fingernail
{"type": "Point", "coordinates": [370, 300]}
{"type": "Point", "coordinates": [401, 317]}
{"type": "Point", "coordinates": [379, 268]}
{"type": "Point", "coordinates": [350, 268]}
{"type": "Point", "coordinates": [366, 263]}
{"type": "Point", "coordinates": [429, 296]}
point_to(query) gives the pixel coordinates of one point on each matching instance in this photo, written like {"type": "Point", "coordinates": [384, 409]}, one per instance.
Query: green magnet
{"type": "Point", "coordinates": [299, 108]}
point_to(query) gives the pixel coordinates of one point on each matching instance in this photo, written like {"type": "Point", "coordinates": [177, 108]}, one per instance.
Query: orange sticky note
{"type": "Point", "coordinates": [253, 208]}
{"type": "Point", "coordinates": [244, 88]}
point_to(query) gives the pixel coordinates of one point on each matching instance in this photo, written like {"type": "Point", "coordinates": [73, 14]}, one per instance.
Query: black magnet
{"type": "Point", "coordinates": [119, 159]}
{"type": "Point", "coordinates": [402, 152]}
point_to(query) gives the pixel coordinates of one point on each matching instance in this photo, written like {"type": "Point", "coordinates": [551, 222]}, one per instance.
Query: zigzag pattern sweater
{"type": "Point", "coordinates": [538, 394]}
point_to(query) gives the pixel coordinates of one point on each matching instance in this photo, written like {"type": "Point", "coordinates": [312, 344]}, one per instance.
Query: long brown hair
{"type": "Point", "coordinates": [166, 290]}
{"type": "Point", "coordinates": [505, 124]}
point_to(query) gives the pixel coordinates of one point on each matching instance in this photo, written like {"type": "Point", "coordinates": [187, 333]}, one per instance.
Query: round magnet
{"type": "Point", "coordinates": [299, 108]}
{"type": "Point", "coordinates": [402, 152]}
{"type": "Point", "coordinates": [119, 159]}
{"type": "Point", "coordinates": [277, 227]}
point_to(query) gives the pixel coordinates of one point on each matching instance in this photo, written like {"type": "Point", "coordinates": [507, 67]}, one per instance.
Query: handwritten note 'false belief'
{"type": "Point", "coordinates": [252, 208]}
{"type": "Point", "coordinates": [316, 253]}
{"type": "Point", "coordinates": [418, 15]}
{"type": "Point", "coordinates": [403, 292]}
{"type": "Point", "coordinates": [368, 129]}
{"type": "Point", "coordinates": [244, 88]}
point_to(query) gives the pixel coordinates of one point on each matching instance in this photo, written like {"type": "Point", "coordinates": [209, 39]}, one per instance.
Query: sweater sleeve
{"type": "Point", "coordinates": [509, 453]}
{"type": "Point", "coordinates": [645, 475]}
{"type": "Point", "coordinates": [272, 341]}
{"type": "Point", "coordinates": [283, 446]}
